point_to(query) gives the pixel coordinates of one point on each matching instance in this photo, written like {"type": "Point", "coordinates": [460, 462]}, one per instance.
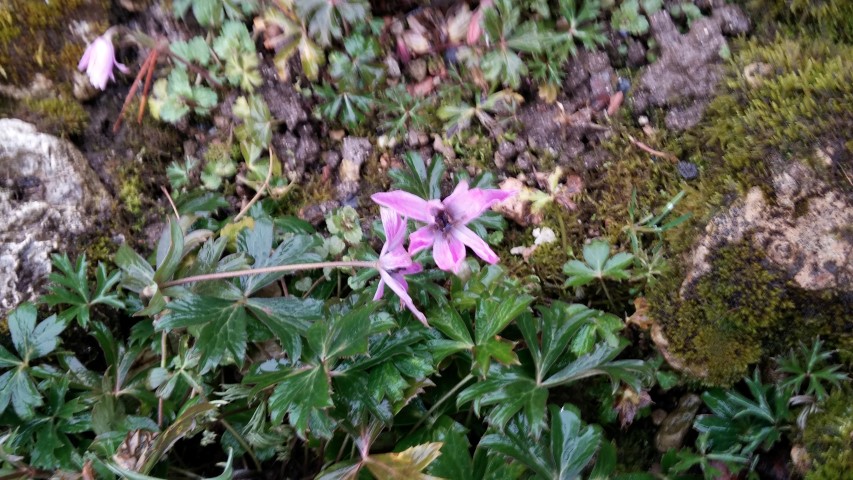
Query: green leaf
{"type": "Point", "coordinates": [30, 340]}
{"type": "Point", "coordinates": [287, 318]}
{"type": "Point", "coordinates": [564, 456]}
{"type": "Point", "coordinates": [222, 338]}
{"type": "Point", "coordinates": [137, 272]}
{"type": "Point", "coordinates": [257, 242]}
{"type": "Point", "coordinates": [227, 472]}
{"type": "Point", "coordinates": [599, 265]}
{"type": "Point", "coordinates": [494, 314]}
{"type": "Point", "coordinates": [344, 335]}
{"type": "Point", "coordinates": [196, 50]}
{"type": "Point", "coordinates": [509, 390]}
{"type": "Point", "coordinates": [571, 446]}
{"type": "Point", "coordinates": [303, 392]}
{"type": "Point", "coordinates": [71, 288]}
{"type": "Point", "coordinates": [406, 465]}
{"type": "Point", "coordinates": [326, 19]}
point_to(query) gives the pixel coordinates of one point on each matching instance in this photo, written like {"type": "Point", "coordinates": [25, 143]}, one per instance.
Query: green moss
{"type": "Point", "coordinates": [59, 115]}
{"type": "Point", "coordinates": [829, 438]}
{"type": "Point", "coordinates": [744, 311]}
{"type": "Point", "coordinates": [823, 18]}
{"type": "Point", "coordinates": [130, 193]}
{"type": "Point", "coordinates": [803, 100]}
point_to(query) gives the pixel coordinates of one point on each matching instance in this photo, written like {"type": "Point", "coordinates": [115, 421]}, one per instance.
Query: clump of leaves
{"type": "Point", "coordinates": [291, 39]}
{"type": "Point", "coordinates": [808, 368]}
{"type": "Point", "coordinates": [508, 38]}
{"type": "Point", "coordinates": [70, 287]}
{"type": "Point", "coordinates": [345, 223]}
{"type": "Point", "coordinates": [628, 18]}
{"type": "Point", "coordinates": [401, 111]}
{"type": "Point", "coordinates": [488, 110]}
{"type": "Point", "coordinates": [31, 341]}
{"type": "Point", "coordinates": [235, 47]}
{"type": "Point", "coordinates": [327, 19]}
{"type": "Point", "coordinates": [174, 97]}
{"type": "Point", "coordinates": [211, 13]}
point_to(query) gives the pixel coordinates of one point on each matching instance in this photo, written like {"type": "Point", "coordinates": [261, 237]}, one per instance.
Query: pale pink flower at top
{"type": "Point", "coordinates": [99, 60]}
{"type": "Point", "coordinates": [445, 230]}
{"type": "Point", "coordinates": [395, 261]}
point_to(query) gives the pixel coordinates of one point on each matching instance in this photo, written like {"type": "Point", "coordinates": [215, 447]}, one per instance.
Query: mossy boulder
{"type": "Point", "coordinates": [768, 272]}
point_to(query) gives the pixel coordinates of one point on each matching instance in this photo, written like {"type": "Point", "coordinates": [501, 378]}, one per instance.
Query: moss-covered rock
{"type": "Point", "coordinates": [829, 438]}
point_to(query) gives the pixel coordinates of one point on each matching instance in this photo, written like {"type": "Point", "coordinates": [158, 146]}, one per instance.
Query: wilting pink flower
{"type": "Point", "coordinates": [474, 28]}
{"type": "Point", "coordinates": [395, 261]}
{"type": "Point", "coordinates": [99, 60]}
{"type": "Point", "coordinates": [446, 221]}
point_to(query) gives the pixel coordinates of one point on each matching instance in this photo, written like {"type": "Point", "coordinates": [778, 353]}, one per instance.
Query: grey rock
{"type": "Point", "coordinates": [684, 117]}
{"type": "Point", "coordinates": [417, 69]}
{"type": "Point", "coordinates": [797, 228]}
{"type": "Point", "coordinates": [687, 170]}
{"type": "Point", "coordinates": [677, 423]}
{"type": "Point", "coordinates": [284, 102]}
{"type": "Point", "coordinates": [636, 53]}
{"type": "Point", "coordinates": [732, 19]}
{"type": "Point", "coordinates": [48, 195]}
{"type": "Point", "coordinates": [354, 152]}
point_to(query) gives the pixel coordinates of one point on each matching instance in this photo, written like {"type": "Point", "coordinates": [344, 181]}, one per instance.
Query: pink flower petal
{"type": "Point", "coordinates": [395, 229]}
{"type": "Point", "coordinates": [380, 289]}
{"type": "Point", "coordinates": [477, 244]}
{"type": "Point", "coordinates": [404, 296]}
{"type": "Point", "coordinates": [84, 62]}
{"type": "Point", "coordinates": [421, 239]}
{"type": "Point", "coordinates": [397, 258]}
{"type": "Point", "coordinates": [448, 252]}
{"type": "Point", "coordinates": [470, 204]}
{"type": "Point", "coordinates": [406, 204]}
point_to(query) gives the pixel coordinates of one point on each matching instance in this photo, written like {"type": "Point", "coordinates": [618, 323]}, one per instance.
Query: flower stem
{"type": "Point", "coordinates": [260, 271]}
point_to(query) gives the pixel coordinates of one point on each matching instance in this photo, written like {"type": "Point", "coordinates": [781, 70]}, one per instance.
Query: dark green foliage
{"type": "Point", "coordinates": [564, 455]}
{"type": "Point", "coordinates": [71, 289]}
{"type": "Point", "coordinates": [808, 373]}
{"type": "Point", "coordinates": [511, 38]}
{"type": "Point", "coordinates": [31, 342]}
{"type": "Point", "coordinates": [742, 424]}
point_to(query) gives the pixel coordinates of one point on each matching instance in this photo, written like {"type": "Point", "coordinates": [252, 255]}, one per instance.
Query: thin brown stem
{"type": "Point", "coordinates": [133, 88]}
{"type": "Point", "coordinates": [260, 271]}
{"type": "Point", "coordinates": [642, 146]}
{"type": "Point", "coordinates": [258, 194]}
{"type": "Point", "coordinates": [147, 87]}
{"type": "Point", "coordinates": [171, 202]}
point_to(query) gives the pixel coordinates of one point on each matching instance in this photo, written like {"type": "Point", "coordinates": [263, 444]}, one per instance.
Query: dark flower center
{"type": "Point", "coordinates": [443, 221]}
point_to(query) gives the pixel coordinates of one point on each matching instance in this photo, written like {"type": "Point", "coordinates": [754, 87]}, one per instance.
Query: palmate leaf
{"type": "Point", "coordinates": [49, 431]}
{"type": "Point", "coordinates": [598, 264]}
{"type": "Point", "coordinates": [70, 287]}
{"type": "Point", "coordinates": [326, 19]}
{"type": "Point", "coordinates": [31, 341]}
{"type": "Point", "coordinates": [257, 243]}
{"type": "Point", "coordinates": [501, 25]}
{"type": "Point", "coordinates": [347, 107]}
{"type": "Point", "coordinates": [455, 460]}
{"type": "Point", "coordinates": [808, 366]}
{"type": "Point", "coordinates": [358, 66]}
{"type": "Point", "coordinates": [222, 336]}
{"type": "Point", "coordinates": [741, 424]}
{"type": "Point", "coordinates": [492, 316]}
{"type": "Point", "coordinates": [294, 39]}
{"type": "Point", "coordinates": [563, 456]}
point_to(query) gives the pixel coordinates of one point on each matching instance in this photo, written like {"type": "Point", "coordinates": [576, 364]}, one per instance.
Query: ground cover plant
{"type": "Point", "coordinates": [381, 312]}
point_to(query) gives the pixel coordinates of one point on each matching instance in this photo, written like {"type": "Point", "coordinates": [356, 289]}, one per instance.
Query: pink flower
{"type": "Point", "coordinates": [446, 221]}
{"type": "Point", "coordinates": [99, 60]}
{"type": "Point", "coordinates": [394, 262]}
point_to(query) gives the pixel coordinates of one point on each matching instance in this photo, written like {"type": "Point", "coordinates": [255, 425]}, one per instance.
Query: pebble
{"type": "Point", "coordinates": [687, 170]}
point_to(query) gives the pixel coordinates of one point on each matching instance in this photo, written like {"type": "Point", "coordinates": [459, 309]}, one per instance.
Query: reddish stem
{"type": "Point", "coordinates": [147, 87]}
{"type": "Point", "coordinates": [136, 82]}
